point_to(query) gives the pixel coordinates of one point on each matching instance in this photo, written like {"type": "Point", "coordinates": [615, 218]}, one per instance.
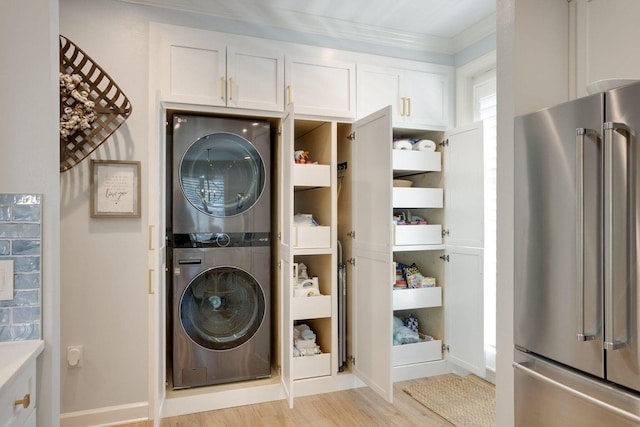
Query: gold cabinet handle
{"type": "Point", "coordinates": [230, 88]}
{"type": "Point", "coordinates": [288, 94]}
{"type": "Point", "coordinates": [408, 107]}
{"type": "Point", "coordinates": [150, 282]}
{"type": "Point", "coordinates": [222, 88]}
{"type": "Point", "coordinates": [402, 106]}
{"type": "Point", "coordinates": [150, 242]}
{"type": "Point", "coordinates": [25, 401]}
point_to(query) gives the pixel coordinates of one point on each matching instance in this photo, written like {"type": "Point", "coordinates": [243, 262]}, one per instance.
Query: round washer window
{"type": "Point", "coordinates": [222, 308]}
{"type": "Point", "coordinates": [222, 174]}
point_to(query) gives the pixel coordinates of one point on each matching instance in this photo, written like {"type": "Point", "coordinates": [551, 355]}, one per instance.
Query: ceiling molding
{"type": "Point", "coordinates": [473, 34]}
{"type": "Point", "coordinates": [329, 27]}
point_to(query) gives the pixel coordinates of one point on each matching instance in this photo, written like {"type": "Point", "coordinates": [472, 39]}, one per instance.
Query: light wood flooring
{"type": "Point", "coordinates": [355, 407]}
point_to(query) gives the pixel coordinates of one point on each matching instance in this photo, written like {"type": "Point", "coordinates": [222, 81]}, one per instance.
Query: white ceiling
{"type": "Point", "coordinates": [441, 25]}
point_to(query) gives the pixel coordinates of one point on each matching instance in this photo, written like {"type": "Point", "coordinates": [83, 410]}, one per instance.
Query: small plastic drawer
{"type": "Point", "coordinates": [417, 234]}
{"type": "Point", "coordinates": [408, 299]}
{"type": "Point", "coordinates": [410, 197]}
{"type": "Point", "coordinates": [311, 366]}
{"type": "Point", "coordinates": [311, 307]}
{"type": "Point", "coordinates": [420, 352]}
{"type": "Point", "coordinates": [417, 161]}
{"type": "Point", "coordinates": [312, 237]}
{"type": "Point", "coordinates": [308, 175]}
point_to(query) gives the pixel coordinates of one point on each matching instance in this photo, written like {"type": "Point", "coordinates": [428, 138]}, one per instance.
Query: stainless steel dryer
{"type": "Point", "coordinates": [221, 309]}
{"type": "Point", "coordinates": [221, 175]}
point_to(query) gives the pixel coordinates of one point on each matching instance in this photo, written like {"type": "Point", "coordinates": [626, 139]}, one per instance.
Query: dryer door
{"type": "Point", "coordinates": [222, 308]}
{"type": "Point", "coordinates": [222, 174]}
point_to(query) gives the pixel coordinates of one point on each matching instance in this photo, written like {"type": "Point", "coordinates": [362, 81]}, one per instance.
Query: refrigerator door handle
{"type": "Point", "coordinates": [609, 127]}
{"type": "Point", "coordinates": [582, 335]}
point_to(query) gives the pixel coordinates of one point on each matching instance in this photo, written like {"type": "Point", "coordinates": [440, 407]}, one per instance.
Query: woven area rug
{"type": "Point", "coordinates": [463, 401]}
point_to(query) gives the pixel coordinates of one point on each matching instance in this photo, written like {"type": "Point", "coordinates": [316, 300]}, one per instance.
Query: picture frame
{"type": "Point", "coordinates": [115, 189]}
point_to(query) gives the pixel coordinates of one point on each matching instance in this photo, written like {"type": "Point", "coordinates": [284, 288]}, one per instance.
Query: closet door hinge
{"type": "Point", "coordinates": [445, 347]}
{"type": "Point", "coordinates": [445, 258]}
{"type": "Point", "coordinates": [445, 232]}
{"type": "Point", "coordinates": [352, 261]}
{"type": "Point", "coordinates": [352, 234]}
{"type": "Point", "coordinates": [444, 143]}
{"type": "Point", "coordinates": [352, 360]}
{"type": "Point", "coordinates": [279, 265]}
{"type": "Point", "coordinates": [351, 136]}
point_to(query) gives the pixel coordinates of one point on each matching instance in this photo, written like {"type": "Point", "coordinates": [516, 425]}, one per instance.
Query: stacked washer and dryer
{"type": "Point", "coordinates": [220, 239]}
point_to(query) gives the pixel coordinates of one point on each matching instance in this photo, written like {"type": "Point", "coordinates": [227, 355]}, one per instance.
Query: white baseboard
{"type": "Point", "coordinates": [109, 416]}
{"type": "Point", "coordinates": [203, 399]}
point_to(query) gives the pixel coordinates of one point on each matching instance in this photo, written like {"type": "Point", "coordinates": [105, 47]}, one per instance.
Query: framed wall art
{"type": "Point", "coordinates": [115, 189]}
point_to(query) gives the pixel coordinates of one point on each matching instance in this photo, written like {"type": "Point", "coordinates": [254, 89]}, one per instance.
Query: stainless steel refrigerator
{"type": "Point", "coordinates": [577, 237]}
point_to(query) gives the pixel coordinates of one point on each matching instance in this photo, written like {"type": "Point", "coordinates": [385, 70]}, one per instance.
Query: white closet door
{"type": "Point", "coordinates": [464, 220]}
{"type": "Point", "coordinates": [372, 294]}
{"type": "Point", "coordinates": [286, 255]}
{"type": "Point", "coordinates": [464, 186]}
{"type": "Point", "coordinates": [464, 309]}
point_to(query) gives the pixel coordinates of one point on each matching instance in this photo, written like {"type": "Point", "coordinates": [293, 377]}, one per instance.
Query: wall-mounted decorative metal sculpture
{"type": "Point", "coordinates": [92, 106]}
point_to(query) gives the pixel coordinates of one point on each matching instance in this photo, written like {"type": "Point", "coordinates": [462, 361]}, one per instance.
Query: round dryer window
{"type": "Point", "coordinates": [222, 308]}
{"type": "Point", "coordinates": [222, 174]}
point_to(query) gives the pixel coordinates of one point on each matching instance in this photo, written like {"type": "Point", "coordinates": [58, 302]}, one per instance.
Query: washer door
{"type": "Point", "coordinates": [222, 308]}
{"type": "Point", "coordinates": [222, 174]}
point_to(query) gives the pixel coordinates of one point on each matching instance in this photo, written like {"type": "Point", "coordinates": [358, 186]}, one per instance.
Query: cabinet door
{"type": "Point", "coordinates": [426, 98]}
{"type": "Point", "coordinates": [377, 88]}
{"type": "Point", "coordinates": [321, 87]}
{"type": "Point", "coordinates": [194, 69]}
{"type": "Point", "coordinates": [464, 186]}
{"type": "Point", "coordinates": [286, 255]}
{"type": "Point", "coordinates": [464, 309]}
{"type": "Point", "coordinates": [255, 79]}
{"type": "Point", "coordinates": [373, 272]}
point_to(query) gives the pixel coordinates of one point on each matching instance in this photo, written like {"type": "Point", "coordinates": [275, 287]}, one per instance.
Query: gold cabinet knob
{"type": "Point", "coordinates": [25, 401]}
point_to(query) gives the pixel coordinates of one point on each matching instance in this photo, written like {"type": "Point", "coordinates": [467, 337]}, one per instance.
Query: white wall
{"type": "Point", "coordinates": [29, 153]}
{"type": "Point", "coordinates": [533, 72]}
{"type": "Point", "coordinates": [104, 261]}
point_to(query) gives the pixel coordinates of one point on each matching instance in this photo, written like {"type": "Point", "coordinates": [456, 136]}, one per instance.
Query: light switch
{"type": "Point", "coordinates": [6, 280]}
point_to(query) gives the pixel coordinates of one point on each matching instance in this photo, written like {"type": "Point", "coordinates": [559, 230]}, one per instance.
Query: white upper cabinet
{"type": "Point", "coordinates": [420, 99]}
{"type": "Point", "coordinates": [321, 87]}
{"type": "Point", "coordinates": [199, 67]}
{"type": "Point", "coordinates": [255, 79]}
{"type": "Point", "coordinates": [194, 69]}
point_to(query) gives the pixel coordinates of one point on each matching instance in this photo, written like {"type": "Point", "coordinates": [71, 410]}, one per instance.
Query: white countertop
{"type": "Point", "coordinates": [16, 354]}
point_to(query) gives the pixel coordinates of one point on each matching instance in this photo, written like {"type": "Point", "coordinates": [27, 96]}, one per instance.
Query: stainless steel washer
{"type": "Point", "coordinates": [221, 308]}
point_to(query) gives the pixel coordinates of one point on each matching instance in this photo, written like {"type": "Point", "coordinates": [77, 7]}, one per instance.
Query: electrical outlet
{"type": "Point", "coordinates": [6, 280]}
{"type": "Point", "coordinates": [74, 356]}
